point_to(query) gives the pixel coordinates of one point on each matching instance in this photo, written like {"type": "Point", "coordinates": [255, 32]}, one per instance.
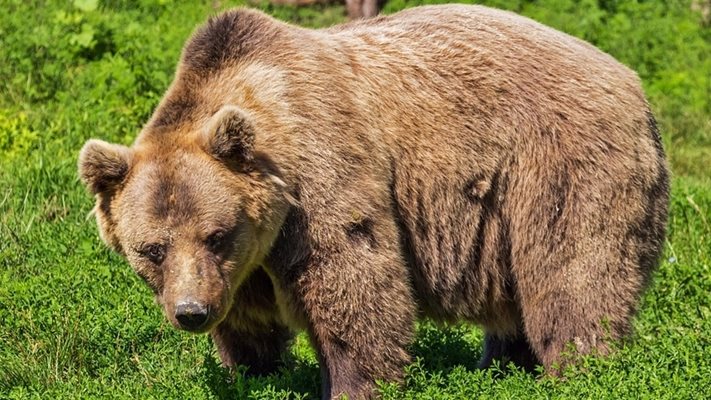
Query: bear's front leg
{"type": "Point", "coordinates": [252, 334]}
{"type": "Point", "coordinates": [259, 348]}
{"type": "Point", "coordinates": [361, 312]}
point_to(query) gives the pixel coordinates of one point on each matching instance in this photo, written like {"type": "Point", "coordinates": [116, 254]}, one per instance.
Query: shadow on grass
{"type": "Point", "coordinates": [441, 349]}
{"type": "Point", "coordinates": [219, 380]}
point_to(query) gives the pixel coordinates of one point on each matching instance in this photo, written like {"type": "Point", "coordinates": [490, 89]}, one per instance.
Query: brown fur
{"type": "Point", "coordinates": [456, 162]}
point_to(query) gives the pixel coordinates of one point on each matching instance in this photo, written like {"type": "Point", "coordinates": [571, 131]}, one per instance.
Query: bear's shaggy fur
{"type": "Point", "coordinates": [451, 162]}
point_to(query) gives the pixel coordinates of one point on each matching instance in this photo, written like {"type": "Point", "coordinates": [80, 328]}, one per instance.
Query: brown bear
{"type": "Point", "coordinates": [457, 163]}
{"type": "Point", "coordinates": [355, 8]}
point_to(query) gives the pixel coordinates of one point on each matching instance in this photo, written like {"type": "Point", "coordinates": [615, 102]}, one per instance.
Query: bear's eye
{"type": "Point", "coordinates": [216, 240]}
{"type": "Point", "coordinates": [154, 252]}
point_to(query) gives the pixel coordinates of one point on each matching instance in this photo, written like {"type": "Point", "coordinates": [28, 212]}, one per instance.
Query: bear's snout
{"type": "Point", "coordinates": [191, 315]}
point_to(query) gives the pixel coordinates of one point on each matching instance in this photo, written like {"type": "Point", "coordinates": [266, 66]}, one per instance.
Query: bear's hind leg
{"type": "Point", "coordinates": [560, 330]}
{"type": "Point", "coordinates": [578, 301]}
{"type": "Point", "coordinates": [582, 252]}
{"type": "Point", "coordinates": [575, 298]}
{"type": "Point", "coordinates": [508, 349]}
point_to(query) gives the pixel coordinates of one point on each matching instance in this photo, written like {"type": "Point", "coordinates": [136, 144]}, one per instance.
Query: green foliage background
{"type": "Point", "coordinates": [75, 322]}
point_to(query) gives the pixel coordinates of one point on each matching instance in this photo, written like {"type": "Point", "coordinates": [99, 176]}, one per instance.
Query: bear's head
{"type": "Point", "coordinates": [193, 212]}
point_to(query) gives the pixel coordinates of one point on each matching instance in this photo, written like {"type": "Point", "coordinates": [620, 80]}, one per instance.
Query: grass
{"type": "Point", "coordinates": [75, 321]}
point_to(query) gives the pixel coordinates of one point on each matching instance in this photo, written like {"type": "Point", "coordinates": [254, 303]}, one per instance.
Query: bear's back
{"type": "Point", "coordinates": [510, 73]}
{"type": "Point", "coordinates": [507, 36]}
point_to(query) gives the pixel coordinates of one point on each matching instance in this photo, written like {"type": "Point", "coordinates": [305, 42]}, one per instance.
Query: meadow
{"type": "Point", "coordinates": [76, 322]}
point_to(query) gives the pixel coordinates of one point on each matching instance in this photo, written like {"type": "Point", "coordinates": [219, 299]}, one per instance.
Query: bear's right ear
{"type": "Point", "coordinates": [230, 135]}
{"type": "Point", "coordinates": [103, 165]}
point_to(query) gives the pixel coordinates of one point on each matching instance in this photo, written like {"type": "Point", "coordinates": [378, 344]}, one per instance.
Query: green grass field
{"type": "Point", "coordinates": [76, 322]}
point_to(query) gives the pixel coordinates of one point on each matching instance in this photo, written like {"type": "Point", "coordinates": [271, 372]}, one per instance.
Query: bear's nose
{"type": "Point", "coordinates": [191, 315]}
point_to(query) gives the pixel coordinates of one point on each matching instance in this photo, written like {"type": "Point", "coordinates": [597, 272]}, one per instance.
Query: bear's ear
{"type": "Point", "coordinates": [103, 165]}
{"type": "Point", "coordinates": [230, 135]}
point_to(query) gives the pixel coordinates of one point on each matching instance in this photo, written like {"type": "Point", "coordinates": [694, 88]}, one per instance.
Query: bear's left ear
{"type": "Point", "coordinates": [103, 166]}
{"type": "Point", "coordinates": [230, 135]}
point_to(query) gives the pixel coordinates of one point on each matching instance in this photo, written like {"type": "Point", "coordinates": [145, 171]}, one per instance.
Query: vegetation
{"type": "Point", "coordinates": [75, 321]}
